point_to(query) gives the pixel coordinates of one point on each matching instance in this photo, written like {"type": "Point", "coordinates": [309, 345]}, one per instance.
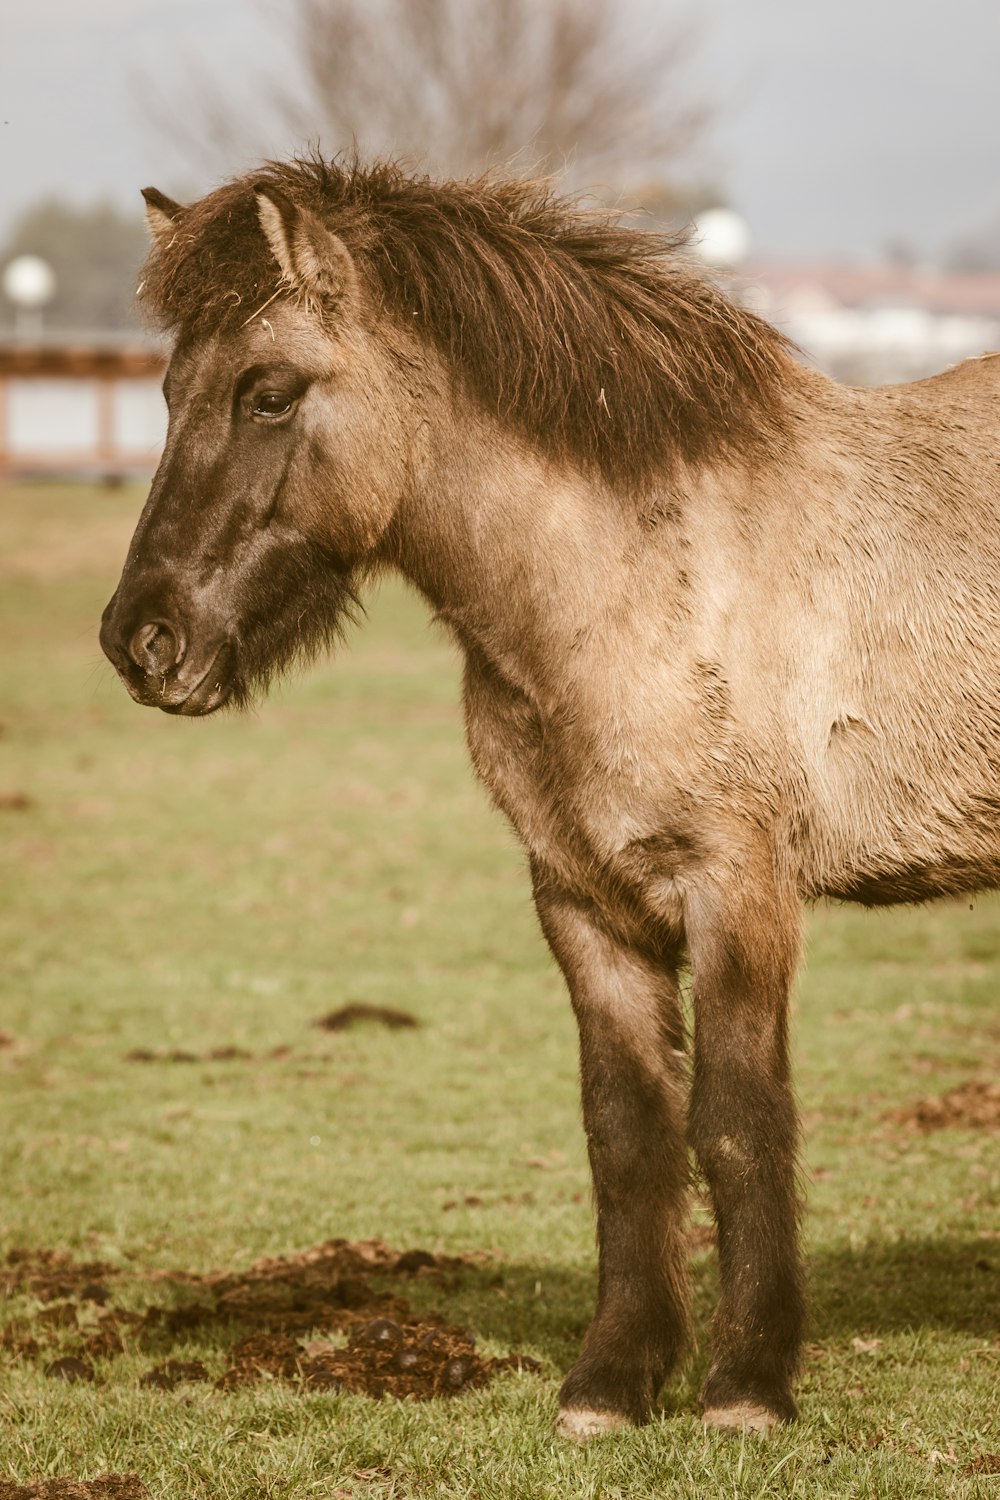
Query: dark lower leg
{"type": "Point", "coordinates": [744, 1132]}
{"type": "Point", "coordinates": [635, 1141]}
{"type": "Point", "coordinates": [745, 1146]}
{"type": "Point", "coordinates": [634, 1087]}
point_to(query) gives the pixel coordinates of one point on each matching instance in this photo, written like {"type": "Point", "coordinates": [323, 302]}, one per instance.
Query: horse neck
{"type": "Point", "coordinates": [512, 550]}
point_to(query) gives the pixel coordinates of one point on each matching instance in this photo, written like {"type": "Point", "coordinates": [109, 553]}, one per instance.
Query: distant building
{"type": "Point", "coordinates": [870, 325]}
{"type": "Point", "coordinates": [81, 408]}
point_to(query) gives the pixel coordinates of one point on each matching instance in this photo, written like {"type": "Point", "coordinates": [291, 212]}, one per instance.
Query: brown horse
{"type": "Point", "coordinates": [731, 637]}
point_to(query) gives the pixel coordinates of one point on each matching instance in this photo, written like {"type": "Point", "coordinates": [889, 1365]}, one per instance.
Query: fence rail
{"type": "Point", "coordinates": [91, 410]}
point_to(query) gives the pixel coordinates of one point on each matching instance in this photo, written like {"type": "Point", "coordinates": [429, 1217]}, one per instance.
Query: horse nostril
{"type": "Point", "coordinates": [155, 648]}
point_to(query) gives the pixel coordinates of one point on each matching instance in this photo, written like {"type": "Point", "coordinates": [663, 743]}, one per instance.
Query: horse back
{"type": "Point", "coordinates": [893, 629]}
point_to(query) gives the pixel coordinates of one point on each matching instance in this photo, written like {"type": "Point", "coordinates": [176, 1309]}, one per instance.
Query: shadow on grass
{"type": "Point", "coordinates": [949, 1284]}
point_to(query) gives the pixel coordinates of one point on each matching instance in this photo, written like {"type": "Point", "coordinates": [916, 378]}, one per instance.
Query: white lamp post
{"type": "Point", "coordinates": [720, 238]}
{"type": "Point", "coordinates": [29, 282]}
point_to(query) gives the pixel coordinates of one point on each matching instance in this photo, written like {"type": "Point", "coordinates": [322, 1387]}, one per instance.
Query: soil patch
{"type": "Point", "coordinates": [228, 1053]}
{"type": "Point", "coordinates": [182, 1055]}
{"type": "Point", "coordinates": [175, 1372]}
{"type": "Point", "coordinates": [983, 1463]}
{"type": "Point", "coordinates": [70, 1368]}
{"type": "Point", "coordinates": [974, 1105]}
{"type": "Point", "coordinates": [15, 802]}
{"type": "Point", "coordinates": [355, 1015]}
{"type": "Point", "coordinates": [314, 1320]}
{"type": "Point", "coordinates": [104, 1487]}
{"type": "Point", "coordinates": [411, 1362]}
{"type": "Point", "coordinates": [51, 1275]}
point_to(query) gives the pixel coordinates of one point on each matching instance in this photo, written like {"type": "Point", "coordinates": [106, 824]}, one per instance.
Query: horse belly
{"type": "Point", "coordinates": [906, 826]}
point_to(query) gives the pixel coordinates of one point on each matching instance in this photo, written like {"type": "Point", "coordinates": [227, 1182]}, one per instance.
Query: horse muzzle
{"type": "Point", "coordinates": [162, 666]}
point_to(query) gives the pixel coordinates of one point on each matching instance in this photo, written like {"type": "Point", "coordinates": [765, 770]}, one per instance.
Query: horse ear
{"type": "Point", "coordinates": [161, 212]}
{"type": "Point", "coordinates": [312, 258]}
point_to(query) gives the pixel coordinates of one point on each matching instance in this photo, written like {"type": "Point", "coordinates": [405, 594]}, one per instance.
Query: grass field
{"type": "Point", "coordinates": [177, 887]}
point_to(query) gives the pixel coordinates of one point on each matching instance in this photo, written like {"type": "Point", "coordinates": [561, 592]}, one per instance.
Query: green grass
{"type": "Point", "coordinates": [196, 885]}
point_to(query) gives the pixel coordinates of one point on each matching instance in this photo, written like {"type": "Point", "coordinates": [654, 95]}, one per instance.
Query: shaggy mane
{"type": "Point", "coordinates": [599, 343]}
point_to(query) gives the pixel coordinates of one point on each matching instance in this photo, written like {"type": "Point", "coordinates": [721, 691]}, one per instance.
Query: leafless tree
{"type": "Point", "coordinates": [597, 89]}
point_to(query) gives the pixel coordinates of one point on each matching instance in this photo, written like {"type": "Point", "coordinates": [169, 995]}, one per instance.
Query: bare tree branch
{"type": "Point", "coordinates": [593, 87]}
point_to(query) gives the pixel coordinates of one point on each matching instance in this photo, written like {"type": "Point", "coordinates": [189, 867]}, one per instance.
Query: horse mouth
{"type": "Point", "coordinates": [177, 696]}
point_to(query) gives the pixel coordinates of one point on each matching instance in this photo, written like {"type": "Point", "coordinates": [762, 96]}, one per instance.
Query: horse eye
{"type": "Point", "coordinates": [272, 404]}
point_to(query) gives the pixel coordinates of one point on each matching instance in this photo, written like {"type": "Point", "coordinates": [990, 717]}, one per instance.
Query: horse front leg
{"type": "Point", "coordinates": [743, 943]}
{"type": "Point", "coordinates": [634, 1084]}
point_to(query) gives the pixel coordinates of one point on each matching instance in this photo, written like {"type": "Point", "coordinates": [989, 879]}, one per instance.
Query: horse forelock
{"type": "Point", "coordinates": [601, 344]}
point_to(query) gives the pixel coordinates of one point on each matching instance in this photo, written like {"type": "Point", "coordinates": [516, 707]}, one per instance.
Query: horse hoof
{"type": "Point", "coordinates": [742, 1416]}
{"type": "Point", "coordinates": [578, 1424]}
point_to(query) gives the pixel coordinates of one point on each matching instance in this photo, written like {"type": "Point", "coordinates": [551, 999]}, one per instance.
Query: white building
{"type": "Point", "coordinates": [873, 324]}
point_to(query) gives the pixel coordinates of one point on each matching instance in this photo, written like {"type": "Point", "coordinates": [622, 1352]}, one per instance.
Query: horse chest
{"type": "Point", "coordinates": [573, 811]}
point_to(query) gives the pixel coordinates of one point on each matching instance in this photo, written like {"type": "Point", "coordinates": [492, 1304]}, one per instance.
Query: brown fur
{"type": "Point", "coordinates": [732, 644]}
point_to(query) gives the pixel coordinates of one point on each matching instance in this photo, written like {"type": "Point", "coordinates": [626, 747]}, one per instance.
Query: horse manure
{"type": "Point", "coordinates": [352, 1015]}
{"type": "Point", "coordinates": [174, 1372]}
{"type": "Point", "coordinates": [15, 802]}
{"type": "Point", "coordinates": [412, 1261]}
{"type": "Point", "coordinates": [272, 1355]}
{"type": "Point", "coordinates": [69, 1368]}
{"type": "Point", "coordinates": [458, 1372]}
{"type": "Point", "coordinates": [352, 1291]}
{"type": "Point", "coordinates": [983, 1463]}
{"type": "Point", "coordinates": [58, 1315]}
{"type": "Point", "coordinates": [227, 1053]}
{"type": "Point", "coordinates": [415, 1363]}
{"type": "Point", "coordinates": [381, 1333]}
{"type": "Point", "coordinates": [318, 1378]}
{"type": "Point", "coordinates": [973, 1105]}
{"type": "Point", "coordinates": [50, 1275]}
{"type": "Point", "coordinates": [173, 1055]}
{"type": "Point", "coordinates": [94, 1291]}
{"type": "Point", "coordinates": [287, 1315]}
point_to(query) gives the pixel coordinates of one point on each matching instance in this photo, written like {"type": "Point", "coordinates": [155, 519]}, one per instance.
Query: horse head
{"type": "Point", "coordinates": [283, 466]}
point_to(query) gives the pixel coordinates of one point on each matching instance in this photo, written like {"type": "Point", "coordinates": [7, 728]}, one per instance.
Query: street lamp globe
{"type": "Point", "coordinates": [720, 237]}
{"type": "Point", "coordinates": [28, 282]}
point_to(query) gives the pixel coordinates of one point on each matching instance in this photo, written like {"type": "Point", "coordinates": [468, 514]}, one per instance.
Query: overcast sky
{"type": "Point", "coordinates": [840, 127]}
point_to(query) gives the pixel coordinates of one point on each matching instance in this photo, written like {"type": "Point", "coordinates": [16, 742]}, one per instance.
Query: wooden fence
{"type": "Point", "coordinates": [89, 410]}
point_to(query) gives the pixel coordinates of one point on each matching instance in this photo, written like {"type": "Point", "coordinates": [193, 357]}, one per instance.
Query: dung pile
{"type": "Point", "coordinates": [313, 1320]}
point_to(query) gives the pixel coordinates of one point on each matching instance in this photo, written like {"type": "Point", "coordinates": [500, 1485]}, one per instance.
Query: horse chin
{"type": "Point", "coordinates": [206, 699]}
{"type": "Point", "coordinates": [285, 637]}
{"type": "Point", "coordinates": [176, 694]}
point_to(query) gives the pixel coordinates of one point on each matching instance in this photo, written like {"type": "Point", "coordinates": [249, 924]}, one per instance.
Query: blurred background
{"type": "Point", "coordinates": [839, 162]}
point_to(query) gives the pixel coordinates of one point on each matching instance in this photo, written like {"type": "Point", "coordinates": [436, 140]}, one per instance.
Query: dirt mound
{"type": "Point", "coordinates": [175, 1372]}
{"type": "Point", "coordinates": [52, 1274]}
{"type": "Point", "coordinates": [983, 1463]}
{"type": "Point", "coordinates": [974, 1105]}
{"type": "Point", "coordinates": [104, 1487]}
{"type": "Point", "coordinates": [313, 1320]}
{"type": "Point", "coordinates": [354, 1015]}
{"type": "Point", "coordinates": [69, 1368]}
{"type": "Point", "coordinates": [382, 1358]}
